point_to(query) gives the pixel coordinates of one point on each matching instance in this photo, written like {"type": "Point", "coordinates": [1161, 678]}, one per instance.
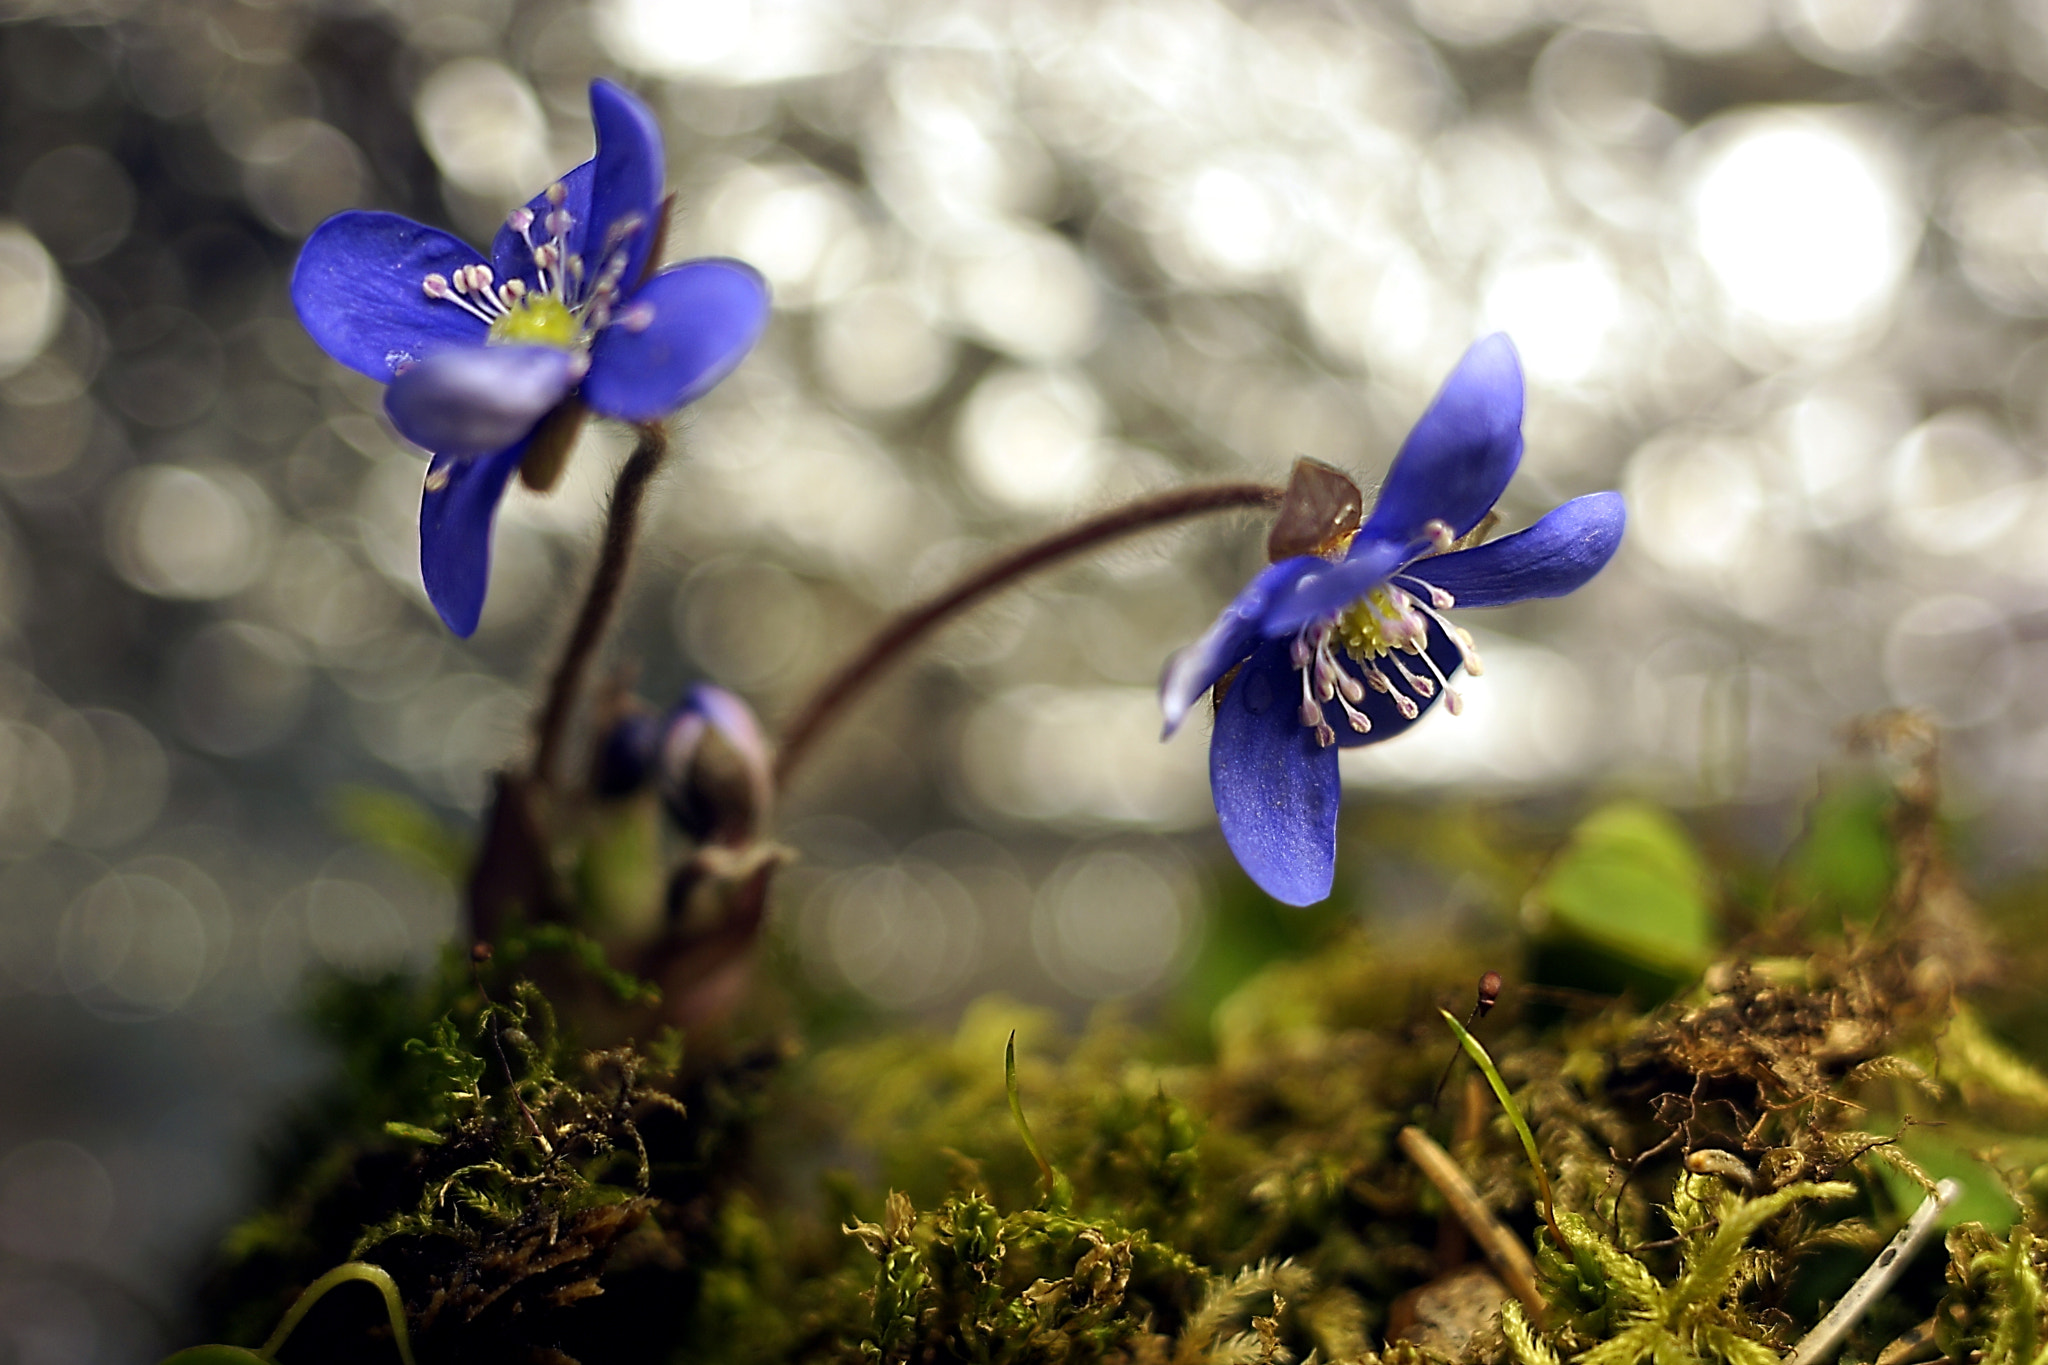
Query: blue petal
{"type": "Point", "coordinates": [1461, 454]}
{"type": "Point", "coordinates": [456, 513]}
{"type": "Point", "coordinates": [626, 186]}
{"type": "Point", "coordinates": [1275, 787]}
{"type": "Point", "coordinates": [1555, 556]}
{"type": "Point", "coordinates": [704, 316]}
{"type": "Point", "coordinates": [512, 258]}
{"type": "Point", "coordinates": [1195, 669]}
{"type": "Point", "coordinates": [1333, 587]}
{"type": "Point", "coordinates": [357, 290]}
{"type": "Point", "coordinates": [731, 718]}
{"type": "Point", "coordinates": [1380, 709]}
{"type": "Point", "coordinates": [478, 399]}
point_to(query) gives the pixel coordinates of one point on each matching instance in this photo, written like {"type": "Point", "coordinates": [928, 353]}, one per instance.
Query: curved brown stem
{"type": "Point", "coordinates": [829, 701]}
{"type": "Point", "coordinates": [600, 603]}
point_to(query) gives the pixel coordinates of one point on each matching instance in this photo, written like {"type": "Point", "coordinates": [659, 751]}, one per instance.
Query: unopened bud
{"type": "Point", "coordinates": [1489, 991]}
{"type": "Point", "coordinates": [626, 754]}
{"type": "Point", "coordinates": [713, 768]}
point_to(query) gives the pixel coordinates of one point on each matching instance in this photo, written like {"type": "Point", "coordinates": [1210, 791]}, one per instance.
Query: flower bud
{"type": "Point", "coordinates": [713, 768]}
{"type": "Point", "coordinates": [626, 754]}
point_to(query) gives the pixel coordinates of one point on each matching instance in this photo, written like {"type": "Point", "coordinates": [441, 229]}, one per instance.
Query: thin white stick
{"type": "Point", "coordinates": [1871, 1285]}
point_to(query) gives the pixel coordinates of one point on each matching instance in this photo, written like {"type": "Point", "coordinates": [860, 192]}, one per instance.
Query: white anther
{"type": "Point", "coordinates": [545, 255]}
{"type": "Point", "coordinates": [437, 478]}
{"type": "Point", "coordinates": [436, 286]}
{"type": "Point", "coordinates": [1300, 652]}
{"type": "Point", "coordinates": [511, 291]}
{"type": "Point", "coordinates": [1406, 706]}
{"type": "Point", "coordinates": [1359, 721]}
{"type": "Point", "coordinates": [1349, 688]}
{"type": "Point", "coordinates": [558, 193]}
{"type": "Point", "coordinates": [559, 223]}
{"type": "Point", "coordinates": [1422, 687]}
{"type": "Point", "coordinates": [1378, 681]}
{"type": "Point", "coordinates": [1325, 736]}
{"type": "Point", "coordinates": [637, 317]}
{"type": "Point", "coordinates": [519, 220]}
{"type": "Point", "coordinates": [1439, 534]}
{"type": "Point", "coordinates": [1438, 598]}
{"type": "Point", "coordinates": [1311, 714]}
{"type": "Point", "coordinates": [1468, 650]}
{"type": "Point", "coordinates": [1454, 703]}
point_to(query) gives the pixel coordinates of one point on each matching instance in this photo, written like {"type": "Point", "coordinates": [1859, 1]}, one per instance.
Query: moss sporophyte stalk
{"type": "Point", "coordinates": [618, 1122]}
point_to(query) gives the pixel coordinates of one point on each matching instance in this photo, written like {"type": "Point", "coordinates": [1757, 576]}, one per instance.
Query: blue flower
{"type": "Point", "coordinates": [1343, 640]}
{"type": "Point", "coordinates": [492, 363]}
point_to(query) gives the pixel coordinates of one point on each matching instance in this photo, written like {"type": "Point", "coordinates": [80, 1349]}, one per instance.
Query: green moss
{"type": "Point", "coordinates": [1228, 1186]}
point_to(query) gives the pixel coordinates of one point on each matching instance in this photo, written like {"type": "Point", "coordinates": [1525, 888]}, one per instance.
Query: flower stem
{"type": "Point", "coordinates": [600, 603]}
{"type": "Point", "coordinates": [829, 701]}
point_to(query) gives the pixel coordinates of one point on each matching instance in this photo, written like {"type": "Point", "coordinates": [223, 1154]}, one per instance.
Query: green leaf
{"type": "Point", "coordinates": [1844, 866]}
{"type": "Point", "coordinates": [1631, 882]}
{"type": "Point", "coordinates": [1983, 1199]}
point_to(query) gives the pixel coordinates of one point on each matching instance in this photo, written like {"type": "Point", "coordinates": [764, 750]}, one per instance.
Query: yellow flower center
{"type": "Point", "coordinates": [535, 320]}
{"type": "Point", "coordinates": [1369, 629]}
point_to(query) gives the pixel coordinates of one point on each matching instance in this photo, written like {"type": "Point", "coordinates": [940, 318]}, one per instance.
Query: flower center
{"type": "Point", "coordinates": [568, 304]}
{"type": "Point", "coordinates": [1379, 623]}
{"type": "Point", "coordinates": [1339, 657]}
{"type": "Point", "coordinates": [536, 320]}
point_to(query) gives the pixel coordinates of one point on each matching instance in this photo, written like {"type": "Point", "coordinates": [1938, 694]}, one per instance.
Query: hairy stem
{"type": "Point", "coordinates": [830, 700]}
{"type": "Point", "coordinates": [600, 603]}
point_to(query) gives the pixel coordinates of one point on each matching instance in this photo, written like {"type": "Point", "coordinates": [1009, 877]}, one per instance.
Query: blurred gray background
{"type": "Point", "coordinates": [1777, 268]}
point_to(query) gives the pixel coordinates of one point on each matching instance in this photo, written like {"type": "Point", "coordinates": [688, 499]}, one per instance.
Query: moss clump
{"type": "Point", "coordinates": [1229, 1186]}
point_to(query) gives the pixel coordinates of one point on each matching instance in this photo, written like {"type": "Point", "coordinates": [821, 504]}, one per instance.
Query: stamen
{"type": "Point", "coordinates": [1439, 534]}
{"type": "Point", "coordinates": [637, 317]}
{"type": "Point", "coordinates": [622, 229]}
{"type": "Point", "coordinates": [1462, 638]}
{"type": "Point", "coordinates": [1301, 651]}
{"type": "Point", "coordinates": [1438, 598]}
{"type": "Point", "coordinates": [558, 194]}
{"type": "Point", "coordinates": [1453, 703]}
{"type": "Point", "coordinates": [559, 223]}
{"type": "Point", "coordinates": [1421, 686]}
{"type": "Point", "coordinates": [437, 479]}
{"type": "Point", "coordinates": [519, 219]}
{"type": "Point", "coordinates": [1312, 716]}
{"type": "Point", "coordinates": [436, 286]}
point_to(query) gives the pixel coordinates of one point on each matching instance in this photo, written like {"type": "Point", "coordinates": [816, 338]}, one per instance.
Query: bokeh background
{"type": "Point", "coordinates": [1777, 268]}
